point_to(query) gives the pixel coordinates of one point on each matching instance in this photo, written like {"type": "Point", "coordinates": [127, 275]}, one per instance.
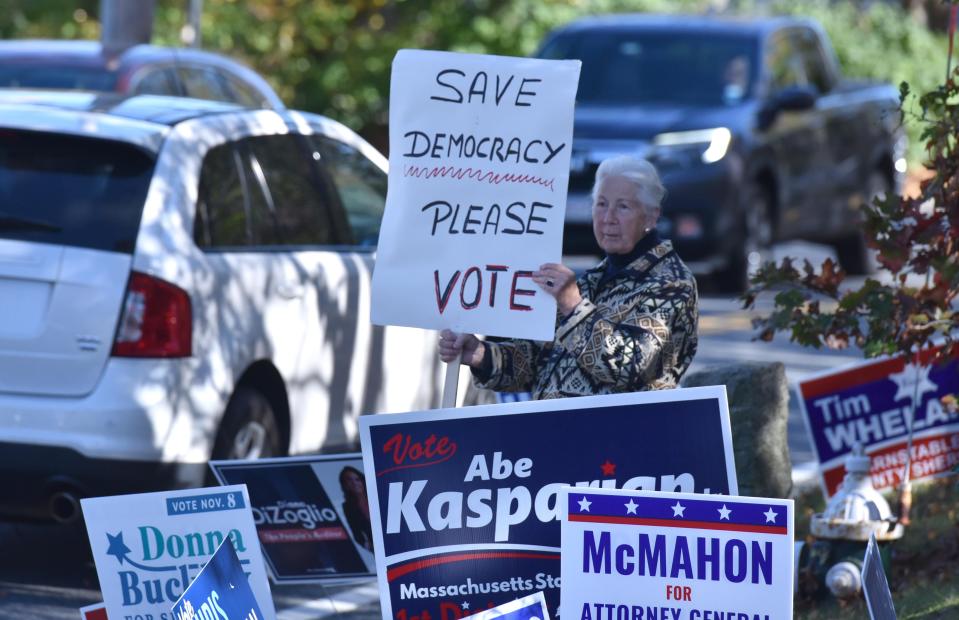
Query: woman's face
{"type": "Point", "coordinates": [352, 482]}
{"type": "Point", "coordinates": [619, 220]}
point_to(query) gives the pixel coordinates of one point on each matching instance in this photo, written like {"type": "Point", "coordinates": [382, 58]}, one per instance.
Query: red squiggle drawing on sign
{"type": "Point", "coordinates": [476, 174]}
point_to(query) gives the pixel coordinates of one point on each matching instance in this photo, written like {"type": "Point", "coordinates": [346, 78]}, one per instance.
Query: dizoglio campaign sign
{"type": "Point", "coordinates": [479, 168]}
{"type": "Point", "coordinates": [466, 502]}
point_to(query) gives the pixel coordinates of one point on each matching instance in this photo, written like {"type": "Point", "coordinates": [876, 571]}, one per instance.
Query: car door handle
{"type": "Point", "coordinates": [288, 290]}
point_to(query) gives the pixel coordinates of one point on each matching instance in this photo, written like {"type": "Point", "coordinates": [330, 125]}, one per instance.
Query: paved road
{"type": "Point", "coordinates": [46, 573]}
{"type": "Point", "coordinates": [726, 335]}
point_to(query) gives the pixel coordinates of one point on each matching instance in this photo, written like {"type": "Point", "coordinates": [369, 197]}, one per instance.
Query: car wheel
{"type": "Point", "coordinates": [756, 227]}
{"type": "Point", "coordinates": [854, 255]}
{"type": "Point", "coordinates": [249, 429]}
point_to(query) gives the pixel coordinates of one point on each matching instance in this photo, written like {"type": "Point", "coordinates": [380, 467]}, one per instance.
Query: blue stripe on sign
{"type": "Point", "coordinates": [214, 502]}
{"type": "Point", "coordinates": [701, 510]}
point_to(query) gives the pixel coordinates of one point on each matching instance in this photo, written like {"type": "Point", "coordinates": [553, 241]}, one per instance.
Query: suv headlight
{"type": "Point", "coordinates": [685, 147]}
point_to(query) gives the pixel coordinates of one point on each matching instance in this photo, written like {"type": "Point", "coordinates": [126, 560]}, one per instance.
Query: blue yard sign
{"type": "Point", "coordinates": [466, 502]}
{"type": "Point", "coordinates": [220, 590]}
{"type": "Point", "coordinates": [532, 607]}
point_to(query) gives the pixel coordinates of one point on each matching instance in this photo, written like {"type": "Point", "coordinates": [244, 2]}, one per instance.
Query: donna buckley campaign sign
{"type": "Point", "coordinates": [465, 502]}
{"type": "Point", "coordinates": [871, 404]}
{"type": "Point", "coordinates": [632, 555]}
{"type": "Point", "coordinates": [311, 515]}
{"type": "Point", "coordinates": [148, 547]}
{"type": "Point", "coordinates": [479, 167]}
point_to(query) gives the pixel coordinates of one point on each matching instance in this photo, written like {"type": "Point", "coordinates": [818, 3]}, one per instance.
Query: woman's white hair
{"type": "Point", "coordinates": [649, 189]}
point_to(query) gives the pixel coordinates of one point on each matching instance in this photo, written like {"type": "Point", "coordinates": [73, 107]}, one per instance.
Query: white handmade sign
{"type": "Point", "coordinates": [479, 167]}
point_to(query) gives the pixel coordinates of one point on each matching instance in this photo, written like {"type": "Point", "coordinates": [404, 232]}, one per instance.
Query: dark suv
{"type": "Point", "coordinates": [757, 135]}
{"type": "Point", "coordinates": [138, 70]}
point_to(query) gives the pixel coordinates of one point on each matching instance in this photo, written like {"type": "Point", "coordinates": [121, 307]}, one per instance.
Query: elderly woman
{"type": "Point", "coordinates": [628, 324]}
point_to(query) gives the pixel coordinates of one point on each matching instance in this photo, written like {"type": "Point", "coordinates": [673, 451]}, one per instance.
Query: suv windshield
{"type": "Point", "coordinates": [70, 190]}
{"type": "Point", "coordinates": [65, 77]}
{"type": "Point", "coordinates": [659, 67]}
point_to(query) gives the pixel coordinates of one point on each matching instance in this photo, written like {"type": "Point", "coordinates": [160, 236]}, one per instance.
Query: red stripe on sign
{"type": "Point", "coordinates": [699, 525]}
{"type": "Point", "coordinates": [851, 378]}
{"type": "Point", "coordinates": [405, 569]}
{"type": "Point", "coordinates": [859, 376]}
{"type": "Point", "coordinates": [98, 613]}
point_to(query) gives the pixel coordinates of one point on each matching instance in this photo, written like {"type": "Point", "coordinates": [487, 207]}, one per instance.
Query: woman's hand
{"type": "Point", "coordinates": [560, 282]}
{"type": "Point", "coordinates": [465, 347]}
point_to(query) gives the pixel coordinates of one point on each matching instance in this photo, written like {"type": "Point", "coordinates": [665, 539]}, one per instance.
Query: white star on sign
{"type": "Point", "coordinates": [770, 515]}
{"type": "Point", "coordinates": [907, 379]}
{"type": "Point", "coordinates": [584, 505]}
{"type": "Point", "coordinates": [724, 512]}
{"type": "Point", "coordinates": [631, 507]}
{"type": "Point", "coordinates": [465, 605]}
{"type": "Point", "coordinates": [678, 509]}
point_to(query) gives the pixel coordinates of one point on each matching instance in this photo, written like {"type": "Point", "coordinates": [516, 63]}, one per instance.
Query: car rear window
{"type": "Point", "coordinates": [70, 190]}
{"type": "Point", "coordinates": [65, 77]}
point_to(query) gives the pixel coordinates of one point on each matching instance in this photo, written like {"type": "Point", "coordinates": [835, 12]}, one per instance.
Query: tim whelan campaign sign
{"type": "Point", "coordinates": [479, 167]}
{"type": "Point", "coordinates": [675, 556]}
{"type": "Point", "coordinates": [466, 502]}
{"type": "Point", "coordinates": [871, 404]}
{"type": "Point", "coordinates": [149, 547]}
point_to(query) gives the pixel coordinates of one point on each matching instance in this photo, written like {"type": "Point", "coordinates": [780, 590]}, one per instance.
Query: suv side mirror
{"type": "Point", "coordinates": [795, 98]}
{"type": "Point", "coordinates": [791, 98]}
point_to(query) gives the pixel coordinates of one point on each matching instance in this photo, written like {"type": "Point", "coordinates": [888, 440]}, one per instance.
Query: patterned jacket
{"type": "Point", "coordinates": [634, 332]}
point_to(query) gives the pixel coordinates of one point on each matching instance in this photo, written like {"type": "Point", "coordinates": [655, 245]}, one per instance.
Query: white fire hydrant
{"type": "Point", "coordinates": [842, 530]}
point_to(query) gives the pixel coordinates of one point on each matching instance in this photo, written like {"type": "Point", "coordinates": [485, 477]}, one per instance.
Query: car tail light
{"type": "Point", "coordinates": [156, 320]}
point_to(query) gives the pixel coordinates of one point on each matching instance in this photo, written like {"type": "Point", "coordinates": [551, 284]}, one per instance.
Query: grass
{"type": "Point", "coordinates": [924, 578]}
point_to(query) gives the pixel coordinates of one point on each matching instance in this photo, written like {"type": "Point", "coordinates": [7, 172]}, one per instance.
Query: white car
{"type": "Point", "coordinates": [183, 280]}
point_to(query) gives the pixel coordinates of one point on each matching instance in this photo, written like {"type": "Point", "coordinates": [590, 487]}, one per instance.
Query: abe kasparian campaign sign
{"type": "Point", "coordinates": [465, 503]}
{"type": "Point", "coordinates": [479, 167]}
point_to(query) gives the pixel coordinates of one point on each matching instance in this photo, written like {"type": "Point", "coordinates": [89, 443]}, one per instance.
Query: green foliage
{"type": "Point", "coordinates": [45, 19]}
{"type": "Point", "coordinates": [334, 56]}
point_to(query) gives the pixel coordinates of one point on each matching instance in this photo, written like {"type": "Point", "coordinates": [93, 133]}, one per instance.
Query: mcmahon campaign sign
{"type": "Point", "coordinates": [479, 167]}
{"type": "Point", "coordinates": [466, 502]}
{"type": "Point", "coordinates": [871, 404]}
{"type": "Point", "coordinates": [632, 555]}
